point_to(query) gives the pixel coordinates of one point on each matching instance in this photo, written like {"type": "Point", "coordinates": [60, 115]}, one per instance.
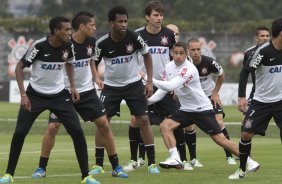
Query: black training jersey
{"type": "Point", "coordinates": [84, 53]}
{"type": "Point", "coordinates": [159, 45]}
{"type": "Point", "coordinates": [47, 76]}
{"type": "Point", "coordinates": [244, 74]}
{"type": "Point", "coordinates": [121, 66]}
{"type": "Point", "coordinates": [267, 63]}
{"type": "Point", "coordinates": [206, 68]}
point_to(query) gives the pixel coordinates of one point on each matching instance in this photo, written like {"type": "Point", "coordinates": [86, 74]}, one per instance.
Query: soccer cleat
{"type": "Point", "coordinates": [187, 166]}
{"type": "Point", "coordinates": [141, 162]}
{"type": "Point", "coordinates": [252, 166]}
{"type": "Point", "coordinates": [171, 163]}
{"type": "Point", "coordinates": [131, 166]}
{"type": "Point", "coordinates": [196, 163]}
{"type": "Point", "coordinates": [239, 174]}
{"type": "Point", "coordinates": [231, 161]}
{"type": "Point", "coordinates": [39, 173]}
{"type": "Point", "coordinates": [90, 180]}
{"type": "Point", "coordinates": [153, 169]}
{"type": "Point", "coordinates": [7, 178]}
{"type": "Point", "coordinates": [118, 172]}
{"type": "Point", "coordinates": [96, 170]}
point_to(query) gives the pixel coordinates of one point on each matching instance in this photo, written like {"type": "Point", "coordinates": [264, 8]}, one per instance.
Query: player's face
{"type": "Point", "coordinates": [194, 49]}
{"type": "Point", "coordinates": [120, 24]}
{"type": "Point", "coordinates": [89, 28]}
{"type": "Point", "coordinates": [262, 37]}
{"type": "Point", "coordinates": [64, 34]}
{"type": "Point", "coordinates": [155, 19]}
{"type": "Point", "coordinates": [179, 55]}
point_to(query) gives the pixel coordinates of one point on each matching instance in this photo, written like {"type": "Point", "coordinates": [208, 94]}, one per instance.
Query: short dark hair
{"type": "Point", "coordinates": [192, 40]}
{"type": "Point", "coordinates": [276, 27]}
{"type": "Point", "coordinates": [116, 10]}
{"type": "Point", "coordinates": [82, 17]}
{"type": "Point", "coordinates": [153, 5]}
{"type": "Point", "coordinates": [56, 23]}
{"type": "Point", "coordinates": [261, 28]}
{"type": "Point", "coordinates": [180, 44]}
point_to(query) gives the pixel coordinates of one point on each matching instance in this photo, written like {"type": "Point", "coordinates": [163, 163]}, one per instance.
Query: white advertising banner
{"type": "Point", "coordinates": [229, 93]}
{"type": "Point", "coordinates": [14, 93]}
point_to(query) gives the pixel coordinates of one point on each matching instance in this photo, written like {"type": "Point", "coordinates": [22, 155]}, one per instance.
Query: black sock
{"type": "Point", "coordinates": [134, 133]}
{"type": "Point", "coordinates": [244, 151]}
{"type": "Point", "coordinates": [180, 143]}
{"type": "Point", "coordinates": [99, 155]}
{"type": "Point", "coordinates": [114, 161]}
{"type": "Point", "coordinates": [190, 138]}
{"type": "Point", "coordinates": [150, 149]}
{"type": "Point", "coordinates": [43, 162]}
{"type": "Point", "coordinates": [141, 146]}
{"type": "Point", "coordinates": [225, 133]}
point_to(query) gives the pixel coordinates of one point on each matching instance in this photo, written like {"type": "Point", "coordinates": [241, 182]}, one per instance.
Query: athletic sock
{"type": "Point", "coordinates": [225, 133]}
{"type": "Point", "coordinates": [150, 149]}
{"type": "Point", "coordinates": [190, 138]}
{"type": "Point", "coordinates": [244, 151]}
{"type": "Point", "coordinates": [99, 155]}
{"type": "Point", "coordinates": [114, 161]}
{"type": "Point", "coordinates": [133, 133]}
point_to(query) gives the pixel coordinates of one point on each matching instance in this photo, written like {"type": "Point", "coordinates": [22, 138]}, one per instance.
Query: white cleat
{"type": "Point", "coordinates": [187, 166]}
{"type": "Point", "coordinates": [132, 165]}
{"type": "Point", "coordinates": [252, 166]}
{"type": "Point", "coordinates": [196, 163]}
{"type": "Point", "coordinates": [239, 174]}
{"type": "Point", "coordinates": [231, 161]}
{"type": "Point", "coordinates": [171, 163]}
{"type": "Point", "coordinates": [141, 162]}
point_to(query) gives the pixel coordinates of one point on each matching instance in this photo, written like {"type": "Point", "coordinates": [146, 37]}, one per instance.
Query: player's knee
{"type": "Point", "coordinates": [102, 125]}
{"type": "Point", "coordinates": [246, 136]}
{"type": "Point", "coordinates": [53, 129]}
{"type": "Point", "coordinates": [133, 122]}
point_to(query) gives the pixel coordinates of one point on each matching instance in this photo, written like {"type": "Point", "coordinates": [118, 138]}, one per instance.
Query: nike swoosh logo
{"type": "Point", "coordinates": [111, 51]}
{"type": "Point", "coordinates": [271, 59]}
{"type": "Point", "coordinates": [67, 99]}
{"type": "Point", "coordinates": [47, 55]}
{"type": "Point", "coordinates": [103, 110]}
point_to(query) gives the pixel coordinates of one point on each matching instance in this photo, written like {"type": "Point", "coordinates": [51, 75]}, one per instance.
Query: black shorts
{"type": "Point", "coordinates": [133, 94]}
{"type": "Point", "coordinates": [259, 114]}
{"type": "Point", "coordinates": [89, 107]}
{"type": "Point", "coordinates": [160, 110]}
{"type": "Point", "coordinates": [204, 120]}
{"type": "Point", "coordinates": [59, 103]}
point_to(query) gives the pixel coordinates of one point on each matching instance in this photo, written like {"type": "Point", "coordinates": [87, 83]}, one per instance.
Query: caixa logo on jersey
{"type": "Point", "coordinates": [121, 60]}
{"type": "Point", "coordinates": [276, 69]}
{"type": "Point", "coordinates": [52, 66]}
{"type": "Point", "coordinates": [153, 50]}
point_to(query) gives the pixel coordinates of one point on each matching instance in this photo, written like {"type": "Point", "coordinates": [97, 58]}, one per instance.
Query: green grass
{"type": "Point", "coordinates": [63, 167]}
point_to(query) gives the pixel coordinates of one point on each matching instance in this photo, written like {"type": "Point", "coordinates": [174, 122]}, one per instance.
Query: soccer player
{"type": "Point", "coordinates": [48, 56]}
{"type": "Point", "coordinates": [207, 68]}
{"type": "Point", "coordinates": [119, 50]}
{"type": "Point", "coordinates": [267, 100]}
{"type": "Point", "coordinates": [90, 108]}
{"type": "Point", "coordinates": [182, 76]}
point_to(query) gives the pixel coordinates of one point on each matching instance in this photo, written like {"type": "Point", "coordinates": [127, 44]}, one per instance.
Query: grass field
{"type": "Point", "coordinates": [63, 167]}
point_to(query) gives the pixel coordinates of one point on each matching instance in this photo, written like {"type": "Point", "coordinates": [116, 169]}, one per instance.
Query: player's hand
{"type": "Point", "coordinates": [216, 100]}
{"type": "Point", "coordinates": [99, 83]}
{"type": "Point", "coordinates": [148, 89]}
{"type": "Point", "coordinates": [26, 103]}
{"type": "Point", "coordinates": [74, 95]}
{"type": "Point", "coordinates": [242, 104]}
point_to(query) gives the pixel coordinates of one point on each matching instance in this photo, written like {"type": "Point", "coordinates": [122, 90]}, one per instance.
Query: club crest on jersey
{"type": "Point", "coordinates": [164, 40]}
{"type": "Point", "coordinates": [129, 48]}
{"type": "Point", "coordinates": [183, 72]}
{"type": "Point", "coordinates": [248, 123]}
{"type": "Point", "coordinates": [65, 55]}
{"type": "Point", "coordinates": [204, 71]}
{"type": "Point", "coordinates": [89, 50]}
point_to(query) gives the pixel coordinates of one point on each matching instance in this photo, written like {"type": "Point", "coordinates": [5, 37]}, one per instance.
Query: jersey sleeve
{"type": "Point", "coordinates": [98, 52]}
{"type": "Point", "coordinates": [31, 55]}
{"type": "Point", "coordinates": [71, 56]}
{"type": "Point", "coordinates": [141, 45]}
{"type": "Point", "coordinates": [216, 69]}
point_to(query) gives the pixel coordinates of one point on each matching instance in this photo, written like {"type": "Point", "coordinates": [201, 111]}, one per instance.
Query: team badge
{"type": "Point", "coordinates": [89, 50]}
{"type": "Point", "coordinates": [183, 72]}
{"type": "Point", "coordinates": [65, 55]}
{"type": "Point", "coordinates": [204, 71]}
{"type": "Point", "coordinates": [248, 123]}
{"type": "Point", "coordinates": [129, 48]}
{"type": "Point", "coordinates": [164, 40]}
